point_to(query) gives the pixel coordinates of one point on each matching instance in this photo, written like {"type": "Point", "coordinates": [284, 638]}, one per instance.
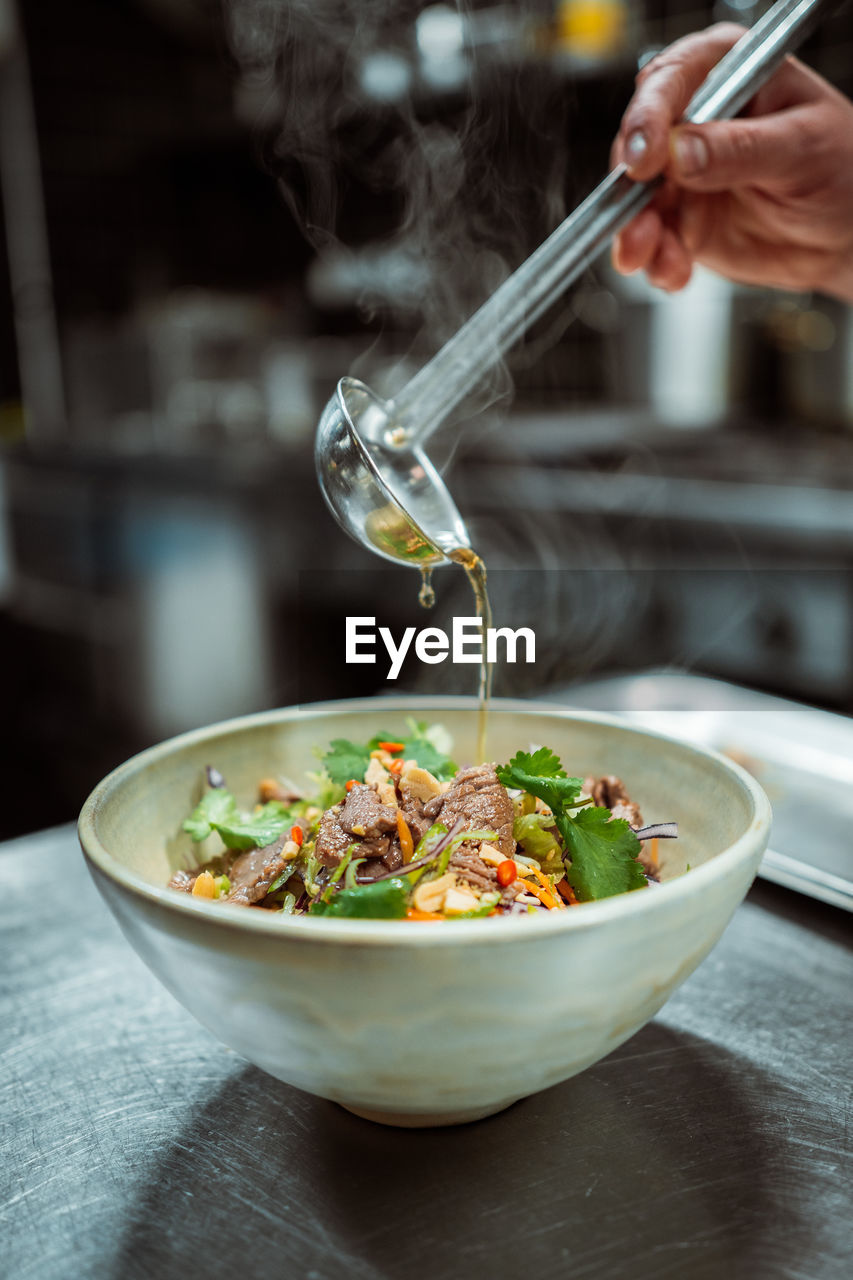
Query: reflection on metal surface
{"type": "Point", "coordinates": [796, 874]}
{"type": "Point", "coordinates": [744, 1143]}
{"type": "Point", "coordinates": [395, 535]}
{"type": "Point", "coordinates": [802, 756]}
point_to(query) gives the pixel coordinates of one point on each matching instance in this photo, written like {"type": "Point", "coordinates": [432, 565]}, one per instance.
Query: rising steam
{"type": "Point", "coordinates": [462, 181]}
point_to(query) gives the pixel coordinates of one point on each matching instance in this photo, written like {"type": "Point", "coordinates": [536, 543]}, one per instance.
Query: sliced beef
{"type": "Point", "coordinates": [332, 840]}
{"type": "Point", "coordinates": [609, 793]}
{"type": "Point", "coordinates": [253, 872]}
{"type": "Point", "coordinates": [184, 880]}
{"type": "Point", "coordinates": [476, 796]}
{"type": "Point", "coordinates": [393, 858]}
{"type": "Point", "coordinates": [470, 867]}
{"type": "Point", "coordinates": [363, 814]}
{"type": "Point", "coordinates": [373, 868]}
{"type": "Point", "coordinates": [416, 820]}
{"type": "Point", "coordinates": [364, 820]}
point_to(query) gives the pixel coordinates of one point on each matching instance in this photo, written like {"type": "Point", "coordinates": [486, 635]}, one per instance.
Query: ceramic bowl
{"type": "Point", "coordinates": [423, 1024]}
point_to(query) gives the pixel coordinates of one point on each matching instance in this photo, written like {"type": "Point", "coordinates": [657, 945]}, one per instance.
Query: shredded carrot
{"type": "Point", "coordinates": [391, 746]}
{"type": "Point", "coordinates": [353, 782]}
{"type": "Point", "coordinates": [407, 844]}
{"type": "Point", "coordinates": [414, 914]}
{"type": "Point", "coordinates": [395, 767]}
{"type": "Point", "coordinates": [297, 835]}
{"type": "Point", "coordinates": [545, 898]}
{"type": "Point", "coordinates": [566, 892]}
{"type": "Point", "coordinates": [546, 885]}
{"type": "Point", "coordinates": [653, 852]}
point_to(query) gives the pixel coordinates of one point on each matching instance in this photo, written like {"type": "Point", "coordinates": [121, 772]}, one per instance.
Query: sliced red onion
{"type": "Point", "coordinates": [657, 831]}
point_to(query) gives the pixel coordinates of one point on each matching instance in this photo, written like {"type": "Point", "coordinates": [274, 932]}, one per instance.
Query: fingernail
{"type": "Point", "coordinates": [691, 154]}
{"type": "Point", "coordinates": [637, 145]}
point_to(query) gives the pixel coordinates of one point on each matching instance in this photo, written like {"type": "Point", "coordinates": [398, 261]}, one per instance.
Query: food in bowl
{"type": "Point", "coordinates": [392, 829]}
{"type": "Point", "coordinates": [416, 1024]}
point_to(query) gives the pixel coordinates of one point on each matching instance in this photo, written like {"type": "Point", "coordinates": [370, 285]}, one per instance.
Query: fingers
{"type": "Point", "coordinates": [671, 266]}
{"type": "Point", "coordinates": [760, 151]}
{"type": "Point", "coordinates": [635, 247]}
{"type": "Point", "coordinates": [664, 89]}
{"type": "Point", "coordinates": [649, 244]}
{"type": "Point", "coordinates": [792, 85]}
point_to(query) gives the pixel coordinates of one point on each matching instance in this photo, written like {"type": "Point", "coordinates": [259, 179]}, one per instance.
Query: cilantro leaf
{"type": "Point", "coordinates": [217, 811]}
{"type": "Point", "coordinates": [345, 760]}
{"type": "Point", "coordinates": [420, 749]}
{"type": "Point", "coordinates": [215, 806]}
{"type": "Point", "coordinates": [429, 744]}
{"type": "Point", "coordinates": [250, 831]}
{"type": "Point", "coordinates": [603, 852]}
{"type": "Point", "coordinates": [542, 775]}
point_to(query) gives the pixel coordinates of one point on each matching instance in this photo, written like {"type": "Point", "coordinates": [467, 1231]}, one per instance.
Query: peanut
{"type": "Point", "coordinates": [430, 896]}
{"type": "Point", "coordinates": [205, 886]}
{"type": "Point", "coordinates": [457, 901]}
{"type": "Point", "coordinates": [419, 783]}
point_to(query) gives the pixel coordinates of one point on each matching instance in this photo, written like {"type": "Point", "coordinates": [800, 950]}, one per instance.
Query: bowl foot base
{"type": "Point", "coordinates": [425, 1119]}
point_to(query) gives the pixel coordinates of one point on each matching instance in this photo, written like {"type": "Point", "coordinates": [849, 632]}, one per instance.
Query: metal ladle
{"type": "Point", "coordinates": [372, 469]}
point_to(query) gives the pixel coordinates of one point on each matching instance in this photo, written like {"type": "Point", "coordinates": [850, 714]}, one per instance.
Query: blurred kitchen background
{"type": "Point", "coordinates": [211, 212]}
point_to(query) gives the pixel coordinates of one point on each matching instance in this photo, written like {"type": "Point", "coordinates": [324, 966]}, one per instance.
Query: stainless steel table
{"type": "Point", "coordinates": [715, 1143]}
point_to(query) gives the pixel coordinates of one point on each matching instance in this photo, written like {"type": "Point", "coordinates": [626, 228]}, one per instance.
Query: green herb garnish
{"type": "Point", "coordinates": [345, 759]}
{"type": "Point", "coordinates": [603, 850]}
{"type": "Point", "coordinates": [379, 900]}
{"type": "Point", "coordinates": [217, 811]}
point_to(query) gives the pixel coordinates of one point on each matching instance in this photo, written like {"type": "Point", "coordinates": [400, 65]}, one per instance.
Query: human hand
{"type": "Point", "coordinates": [765, 199]}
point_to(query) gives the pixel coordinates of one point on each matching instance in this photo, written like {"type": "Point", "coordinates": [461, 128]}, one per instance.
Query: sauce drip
{"type": "Point", "coordinates": [426, 595]}
{"type": "Point", "coordinates": [475, 571]}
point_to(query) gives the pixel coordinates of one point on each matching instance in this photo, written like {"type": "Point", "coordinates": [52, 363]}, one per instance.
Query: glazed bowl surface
{"type": "Point", "coordinates": [415, 1023]}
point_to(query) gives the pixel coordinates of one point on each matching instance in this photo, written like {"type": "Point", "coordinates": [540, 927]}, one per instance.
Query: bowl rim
{"type": "Point", "coordinates": [408, 933]}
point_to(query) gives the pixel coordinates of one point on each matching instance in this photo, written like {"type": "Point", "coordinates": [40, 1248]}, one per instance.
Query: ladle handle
{"type": "Point", "coordinates": [434, 392]}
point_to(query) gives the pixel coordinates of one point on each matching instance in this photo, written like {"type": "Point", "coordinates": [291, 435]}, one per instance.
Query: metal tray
{"type": "Point", "coordinates": [803, 757]}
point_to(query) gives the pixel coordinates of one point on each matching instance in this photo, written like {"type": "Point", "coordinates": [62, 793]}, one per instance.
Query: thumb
{"type": "Point", "coordinates": [764, 150]}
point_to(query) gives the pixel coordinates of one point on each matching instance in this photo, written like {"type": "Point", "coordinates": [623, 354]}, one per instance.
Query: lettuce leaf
{"type": "Point", "coordinates": [529, 830]}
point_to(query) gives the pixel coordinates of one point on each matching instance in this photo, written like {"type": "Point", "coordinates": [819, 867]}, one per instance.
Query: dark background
{"type": "Point", "coordinates": [240, 206]}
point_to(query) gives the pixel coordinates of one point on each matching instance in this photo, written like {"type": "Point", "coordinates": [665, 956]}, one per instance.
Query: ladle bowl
{"type": "Point", "coordinates": [383, 491]}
